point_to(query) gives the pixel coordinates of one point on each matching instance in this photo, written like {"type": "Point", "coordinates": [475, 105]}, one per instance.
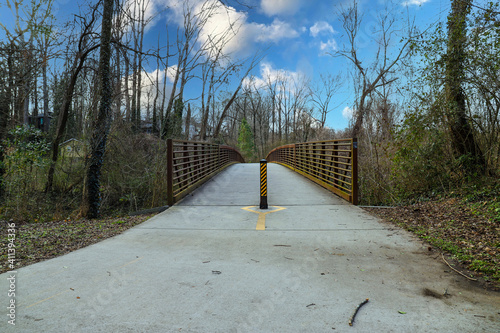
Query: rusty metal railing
{"type": "Point", "coordinates": [333, 164]}
{"type": "Point", "coordinates": [191, 163]}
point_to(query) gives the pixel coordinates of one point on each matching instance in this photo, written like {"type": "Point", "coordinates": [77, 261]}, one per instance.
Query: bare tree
{"type": "Point", "coordinates": [483, 82]}
{"type": "Point", "coordinates": [293, 94]}
{"type": "Point", "coordinates": [271, 88]}
{"type": "Point", "coordinates": [381, 70]}
{"type": "Point", "coordinates": [213, 77]}
{"type": "Point", "coordinates": [85, 46]}
{"type": "Point", "coordinates": [256, 59]}
{"type": "Point", "coordinates": [322, 93]}
{"type": "Point", "coordinates": [274, 93]}
{"type": "Point", "coordinates": [189, 53]}
{"type": "Point", "coordinates": [31, 20]}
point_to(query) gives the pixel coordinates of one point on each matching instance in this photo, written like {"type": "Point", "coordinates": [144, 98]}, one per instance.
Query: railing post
{"type": "Point", "coordinates": [263, 184]}
{"type": "Point", "coordinates": [335, 159]}
{"type": "Point", "coordinates": [323, 158]}
{"type": "Point", "coordinates": [186, 161]}
{"type": "Point", "coordinates": [354, 171]}
{"type": "Point", "coordinates": [219, 158]}
{"type": "Point", "coordinates": [294, 157]}
{"type": "Point", "coordinates": [170, 172]}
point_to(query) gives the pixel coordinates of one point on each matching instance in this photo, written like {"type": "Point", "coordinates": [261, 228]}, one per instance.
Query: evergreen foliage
{"type": "Point", "coordinates": [246, 142]}
{"type": "Point", "coordinates": [24, 164]}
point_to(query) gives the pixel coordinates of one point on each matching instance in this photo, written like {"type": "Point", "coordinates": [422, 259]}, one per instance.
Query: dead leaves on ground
{"type": "Point", "coordinates": [38, 241]}
{"type": "Point", "coordinates": [450, 224]}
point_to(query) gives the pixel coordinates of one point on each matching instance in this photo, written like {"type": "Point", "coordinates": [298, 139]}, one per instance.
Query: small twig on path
{"type": "Point", "coordinates": [351, 321]}
{"type": "Point", "coordinates": [442, 256]}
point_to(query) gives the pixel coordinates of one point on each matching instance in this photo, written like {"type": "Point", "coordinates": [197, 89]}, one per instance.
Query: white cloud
{"type": "Point", "coordinates": [171, 71]}
{"type": "Point", "coordinates": [224, 27]}
{"type": "Point", "coordinates": [220, 25]}
{"type": "Point", "coordinates": [149, 78]}
{"type": "Point", "coordinates": [347, 113]}
{"type": "Point", "coordinates": [227, 27]}
{"type": "Point", "coordinates": [151, 9]}
{"type": "Point", "coordinates": [270, 75]}
{"type": "Point", "coordinates": [414, 2]}
{"type": "Point", "coordinates": [275, 32]}
{"type": "Point", "coordinates": [319, 27]}
{"type": "Point", "coordinates": [329, 46]}
{"type": "Point", "coordinates": [279, 7]}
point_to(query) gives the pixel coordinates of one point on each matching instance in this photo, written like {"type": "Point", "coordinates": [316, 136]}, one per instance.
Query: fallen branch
{"type": "Point", "coordinates": [457, 270]}
{"type": "Point", "coordinates": [351, 321]}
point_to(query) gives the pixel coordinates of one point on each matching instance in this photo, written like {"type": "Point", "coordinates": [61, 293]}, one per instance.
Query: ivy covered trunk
{"type": "Point", "coordinates": [462, 134]}
{"type": "Point", "coordinates": [173, 123]}
{"type": "Point", "coordinates": [102, 121]}
{"type": "Point", "coordinates": [4, 118]}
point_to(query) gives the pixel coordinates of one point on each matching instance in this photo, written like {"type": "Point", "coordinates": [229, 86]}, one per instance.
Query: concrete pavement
{"type": "Point", "coordinates": [201, 266]}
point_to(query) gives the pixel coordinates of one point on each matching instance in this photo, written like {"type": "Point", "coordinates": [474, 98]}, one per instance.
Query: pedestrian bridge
{"type": "Point", "coordinates": [332, 164]}
{"type": "Point", "coordinates": [216, 262]}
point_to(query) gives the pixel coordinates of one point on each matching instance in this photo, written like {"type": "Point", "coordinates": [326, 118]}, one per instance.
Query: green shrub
{"type": "Point", "coordinates": [25, 165]}
{"type": "Point", "coordinates": [421, 163]}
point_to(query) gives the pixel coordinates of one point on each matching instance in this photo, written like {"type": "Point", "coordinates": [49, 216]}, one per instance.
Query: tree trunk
{"type": "Point", "coordinates": [463, 140]}
{"type": "Point", "coordinates": [204, 118]}
{"type": "Point", "coordinates": [360, 115]}
{"type": "Point", "coordinates": [62, 119]}
{"type": "Point", "coordinates": [26, 87]}
{"type": "Point", "coordinates": [118, 111]}
{"type": "Point", "coordinates": [34, 115]}
{"type": "Point", "coordinates": [142, 24]}
{"type": "Point", "coordinates": [154, 129]}
{"type": "Point", "coordinates": [134, 92]}
{"type": "Point", "coordinates": [168, 111]}
{"type": "Point", "coordinates": [188, 122]}
{"type": "Point", "coordinates": [45, 91]}
{"type": "Point", "coordinates": [224, 112]}
{"type": "Point", "coordinates": [162, 107]}
{"type": "Point", "coordinates": [102, 125]}
{"type": "Point", "coordinates": [126, 84]}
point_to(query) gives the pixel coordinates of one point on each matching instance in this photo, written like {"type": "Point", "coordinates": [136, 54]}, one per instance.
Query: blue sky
{"type": "Point", "coordinates": [297, 33]}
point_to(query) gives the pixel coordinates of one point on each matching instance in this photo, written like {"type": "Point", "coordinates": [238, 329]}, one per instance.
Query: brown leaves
{"type": "Point", "coordinates": [41, 241]}
{"type": "Point", "coordinates": [451, 226]}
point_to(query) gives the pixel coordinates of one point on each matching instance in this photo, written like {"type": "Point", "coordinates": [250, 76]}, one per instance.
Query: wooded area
{"type": "Point", "coordinates": [83, 125]}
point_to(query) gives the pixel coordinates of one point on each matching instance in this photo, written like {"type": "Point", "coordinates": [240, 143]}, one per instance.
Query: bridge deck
{"type": "Point", "coordinates": [239, 186]}
{"type": "Point", "coordinates": [201, 266]}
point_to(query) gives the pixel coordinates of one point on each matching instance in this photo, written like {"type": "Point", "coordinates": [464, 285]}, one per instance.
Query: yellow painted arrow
{"type": "Point", "coordinates": [261, 221]}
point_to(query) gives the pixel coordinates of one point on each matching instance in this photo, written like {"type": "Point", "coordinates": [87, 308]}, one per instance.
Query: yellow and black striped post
{"type": "Point", "coordinates": [263, 184]}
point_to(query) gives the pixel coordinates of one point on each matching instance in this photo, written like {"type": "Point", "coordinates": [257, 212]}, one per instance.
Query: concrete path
{"type": "Point", "coordinates": [201, 266]}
